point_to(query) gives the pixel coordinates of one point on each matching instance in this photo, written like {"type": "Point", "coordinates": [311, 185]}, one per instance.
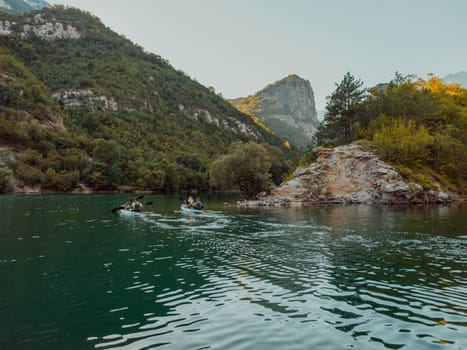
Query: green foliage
{"type": "Point", "coordinates": [248, 167]}
{"type": "Point", "coordinates": [30, 175]}
{"type": "Point", "coordinates": [32, 157]}
{"type": "Point", "coordinates": [343, 107]}
{"type": "Point", "coordinates": [279, 163]}
{"type": "Point", "coordinates": [6, 178]}
{"type": "Point", "coordinates": [154, 180]}
{"type": "Point", "coordinates": [419, 126]}
{"type": "Point", "coordinates": [159, 136]}
{"type": "Point", "coordinates": [64, 181]}
{"type": "Point", "coordinates": [98, 181]}
{"type": "Point", "coordinates": [401, 142]}
{"type": "Point", "coordinates": [192, 162]}
{"type": "Point", "coordinates": [20, 90]}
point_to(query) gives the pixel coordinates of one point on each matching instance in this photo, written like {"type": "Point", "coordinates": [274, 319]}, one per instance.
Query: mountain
{"type": "Point", "coordinates": [36, 4]}
{"type": "Point", "coordinates": [21, 6]}
{"type": "Point", "coordinates": [460, 78]}
{"type": "Point", "coordinates": [81, 106]}
{"type": "Point", "coordinates": [287, 107]}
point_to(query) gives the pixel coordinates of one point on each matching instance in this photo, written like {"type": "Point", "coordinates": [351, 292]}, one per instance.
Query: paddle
{"type": "Point", "coordinates": [118, 208]}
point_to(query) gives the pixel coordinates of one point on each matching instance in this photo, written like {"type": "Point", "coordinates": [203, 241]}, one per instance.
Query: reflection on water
{"type": "Point", "coordinates": [329, 277]}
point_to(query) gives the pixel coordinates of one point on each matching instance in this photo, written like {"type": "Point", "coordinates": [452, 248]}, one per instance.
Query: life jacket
{"type": "Point", "coordinates": [137, 206]}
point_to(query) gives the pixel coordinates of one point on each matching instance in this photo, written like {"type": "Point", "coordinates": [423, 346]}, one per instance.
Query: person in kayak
{"type": "Point", "coordinates": [198, 204]}
{"type": "Point", "coordinates": [128, 204]}
{"type": "Point", "coordinates": [136, 205]}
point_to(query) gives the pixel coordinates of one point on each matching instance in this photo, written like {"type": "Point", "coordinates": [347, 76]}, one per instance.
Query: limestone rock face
{"type": "Point", "coordinates": [48, 30]}
{"type": "Point", "coordinates": [227, 123]}
{"type": "Point", "coordinates": [5, 27]}
{"type": "Point", "coordinates": [287, 107]}
{"type": "Point", "coordinates": [39, 27]}
{"type": "Point", "coordinates": [348, 174]}
{"type": "Point", "coordinates": [85, 99]}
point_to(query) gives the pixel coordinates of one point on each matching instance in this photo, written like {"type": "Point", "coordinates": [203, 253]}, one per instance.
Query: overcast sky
{"type": "Point", "coordinates": [240, 46]}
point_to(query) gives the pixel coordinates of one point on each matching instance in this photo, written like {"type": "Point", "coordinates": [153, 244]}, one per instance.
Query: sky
{"type": "Point", "coordinates": [240, 46]}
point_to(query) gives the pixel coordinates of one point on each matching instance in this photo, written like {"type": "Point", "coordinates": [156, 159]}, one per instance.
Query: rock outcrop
{"type": "Point", "coordinates": [228, 123]}
{"type": "Point", "coordinates": [287, 107]}
{"type": "Point", "coordinates": [5, 27]}
{"type": "Point", "coordinates": [37, 26]}
{"type": "Point", "coordinates": [85, 99]}
{"type": "Point", "coordinates": [348, 174]}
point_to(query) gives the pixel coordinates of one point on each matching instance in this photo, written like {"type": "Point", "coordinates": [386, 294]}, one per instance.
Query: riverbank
{"type": "Point", "coordinates": [349, 174]}
{"type": "Point", "coordinates": [23, 189]}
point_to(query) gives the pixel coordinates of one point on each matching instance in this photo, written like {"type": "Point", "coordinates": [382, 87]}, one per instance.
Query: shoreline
{"type": "Point", "coordinates": [244, 203]}
{"type": "Point", "coordinates": [261, 204]}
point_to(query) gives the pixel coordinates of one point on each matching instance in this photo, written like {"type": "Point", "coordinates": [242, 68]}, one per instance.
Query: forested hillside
{"type": "Point", "coordinates": [83, 106]}
{"type": "Point", "coordinates": [418, 125]}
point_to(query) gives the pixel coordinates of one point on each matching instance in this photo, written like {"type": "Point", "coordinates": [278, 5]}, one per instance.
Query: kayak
{"type": "Point", "coordinates": [185, 209]}
{"type": "Point", "coordinates": [131, 208]}
{"type": "Point", "coordinates": [126, 212]}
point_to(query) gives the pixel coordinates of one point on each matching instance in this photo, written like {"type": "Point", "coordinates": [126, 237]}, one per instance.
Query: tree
{"type": "Point", "coordinates": [106, 173]}
{"type": "Point", "coordinates": [402, 142]}
{"type": "Point", "coordinates": [97, 180]}
{"type": "Point", "coordinates": [279, 164]}
{"type": "Point", "coordinates": [342, 109]}
{"type": "Point", "coordinates": [154, 180]}
{"type": "Point", "coordinates": [246, 168]}
{"type": "Point", "coordinates": [30, 175]}
{"type": "Point", "coordinates": [421, 125]}
{"type": "Point", "coordinates": [6, 179]}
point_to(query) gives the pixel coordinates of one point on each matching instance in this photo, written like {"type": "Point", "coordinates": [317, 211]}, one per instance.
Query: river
{"type": "Point", "coordinates": [74, 275]}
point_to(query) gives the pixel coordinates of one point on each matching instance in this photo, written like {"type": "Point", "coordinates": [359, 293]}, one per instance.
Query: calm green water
{"type": "Point", "coordinates": [75, 276]}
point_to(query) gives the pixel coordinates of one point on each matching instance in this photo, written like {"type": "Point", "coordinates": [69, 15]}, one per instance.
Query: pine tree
{"type": "Point", "coordinates": [342, 109]}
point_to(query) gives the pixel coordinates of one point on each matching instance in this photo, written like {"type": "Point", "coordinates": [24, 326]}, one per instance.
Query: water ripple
{"type": "Point", "coordinates": [241, 280]}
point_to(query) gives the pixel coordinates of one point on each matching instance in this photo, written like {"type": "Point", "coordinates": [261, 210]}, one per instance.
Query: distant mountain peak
{"type": "Point", "coordinates": [36, 4]}
{"type": "Point", "coordinates": [288, 79]}
{"type": "Point", "coordinates": [460, 78]}
{"type": "Point", "coordinates": [287, 107]}
{"type": "Point", "coordinates": [22, 6]}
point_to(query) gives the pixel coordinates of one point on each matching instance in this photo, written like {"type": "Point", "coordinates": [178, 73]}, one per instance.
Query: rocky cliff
{"type": "Point", "coordinates": [21, 6]}
{"type": "Point", "coordinates": [287, 107]}
{"type": "Point", "coordinates": [348, 174]}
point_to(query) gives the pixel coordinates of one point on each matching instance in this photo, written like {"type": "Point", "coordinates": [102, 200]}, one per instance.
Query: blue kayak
{"type": "Point", "coordinates": [188, 210]}
{"type": "Point", "coordinates": [126, 212]}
